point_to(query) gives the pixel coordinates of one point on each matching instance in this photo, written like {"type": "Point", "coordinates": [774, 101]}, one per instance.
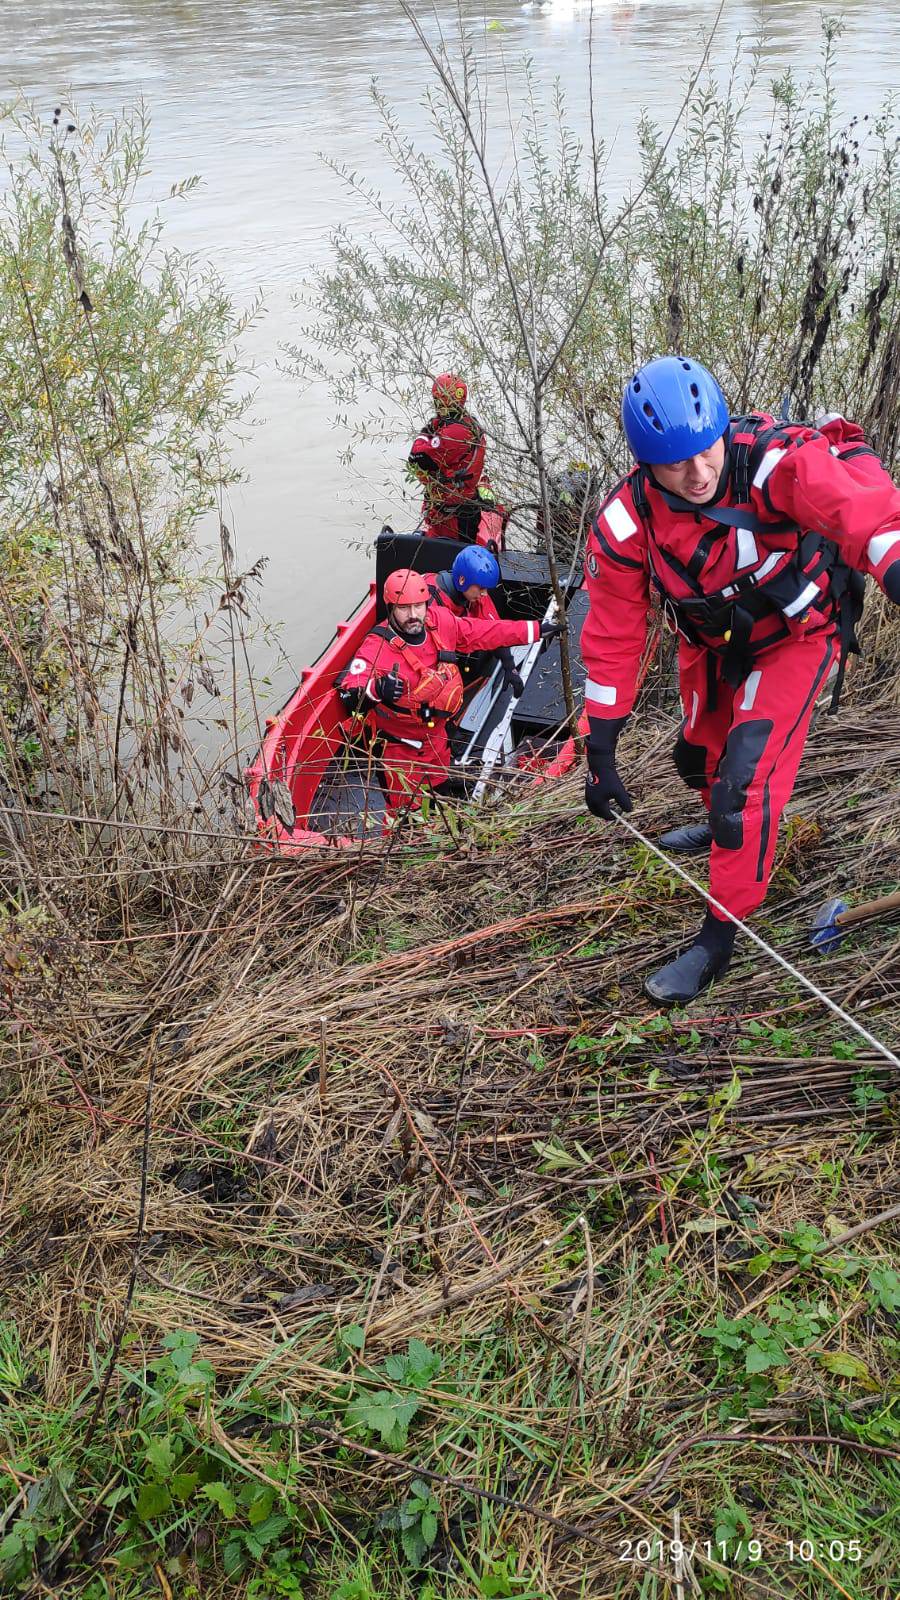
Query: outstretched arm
{"type": "Point", "coordinates": [852, 501]}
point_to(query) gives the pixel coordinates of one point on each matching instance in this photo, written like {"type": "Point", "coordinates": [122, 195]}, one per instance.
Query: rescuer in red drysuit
{"type": "Point", "coordinates": [464, 590]}
{"type": "Point", "coordinates": [405, 672]}
{"type": "Point", "coordinates": [755, 534]}
{"type": "Point", "coordinates": [447, 458]}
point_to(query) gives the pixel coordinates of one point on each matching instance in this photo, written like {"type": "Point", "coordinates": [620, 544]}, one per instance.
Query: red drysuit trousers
{"type": "Point", "coordinates": [408, 771]}
{"type": "Point", "coordinates": [743, 752]}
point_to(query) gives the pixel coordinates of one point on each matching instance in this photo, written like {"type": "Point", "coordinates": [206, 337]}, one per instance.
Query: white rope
{"type": "Point", "coordinates": [767, 949]}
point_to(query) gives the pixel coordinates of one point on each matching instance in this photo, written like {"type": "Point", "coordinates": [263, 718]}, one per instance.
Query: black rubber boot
{"type": "Point", "coordinates": [707, 958]}
{"type": "Point", "coordinates": [693, 839]}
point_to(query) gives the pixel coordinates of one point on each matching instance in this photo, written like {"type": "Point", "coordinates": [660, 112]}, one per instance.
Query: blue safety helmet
{"type": "Point", "coordinates": [671, 410]}
{"type": "Point", "coordinates": [475, 564]}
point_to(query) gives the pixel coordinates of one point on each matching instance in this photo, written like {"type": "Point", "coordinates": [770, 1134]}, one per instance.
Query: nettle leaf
{"type": "Point", "coordinates": [884, 1283]}
{"type": "Point", "coordinates": [413, 1546]}
{"type": "Point", "coordinates": [160, 1456]}
{"type": "Point", "coordinates": [384, 1414]}
{"type": "Point", "coordinates": [758, 1360]}
{"type": "Point", "coordinates": [233, 1559]}
{"type": "Point", "coordinates": [220, 1494]}
{"type": "Point", "coordinates": [153, 1499]}
{"type": "Point", "coordinates": [429, 1528]}
{"type": "Point", "coordinates": [181, 1347]}
{"type": "Point", "coordinates": [272, 1528]}
{"type": "Point", "coordinates": [183, 1484]}
{"type": "Point", "coordinates": [260, 1505]}
{"type": "Point", "coordinates": [424, 1364]}
{"type": "Point", "coordinates": [199, 1375]}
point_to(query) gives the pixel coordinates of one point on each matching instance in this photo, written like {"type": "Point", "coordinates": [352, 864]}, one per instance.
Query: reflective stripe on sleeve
{"type": "Point", "coordinates": [619, 521]}
{"type": "Point", "coordinates": [603, 694]}
{"type": "Point", "coordinates": [878, 547]}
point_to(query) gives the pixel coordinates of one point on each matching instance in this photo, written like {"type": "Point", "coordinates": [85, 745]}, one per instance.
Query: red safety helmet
{"type": "Point", "coordinates": [405, 588]}
{"type": "Point", "coordinates": [448, 392]}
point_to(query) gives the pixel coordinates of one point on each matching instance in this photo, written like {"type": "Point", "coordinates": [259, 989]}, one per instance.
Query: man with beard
{"type": "Point", "coordinates": [406, 674]}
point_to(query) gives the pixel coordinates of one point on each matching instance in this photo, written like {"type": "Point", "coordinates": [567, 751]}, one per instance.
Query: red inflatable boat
{"type": "Point", "coordinates": [312, 784]}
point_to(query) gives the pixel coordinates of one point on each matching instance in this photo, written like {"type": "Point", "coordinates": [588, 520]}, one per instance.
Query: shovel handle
{"type": "Point", "coordinates": [871, 908]}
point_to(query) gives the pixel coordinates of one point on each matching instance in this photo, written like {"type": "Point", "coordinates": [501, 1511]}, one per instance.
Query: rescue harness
{"type": "Point", "coordinates": [731, 613]}
{"type": "Point", "coordinates": [438, 690]}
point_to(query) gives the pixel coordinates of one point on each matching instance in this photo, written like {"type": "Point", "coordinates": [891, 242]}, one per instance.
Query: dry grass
{"type": "Point", "coordinates": [421, 1095]}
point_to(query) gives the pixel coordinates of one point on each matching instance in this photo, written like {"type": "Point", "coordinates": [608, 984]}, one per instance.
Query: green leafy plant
{"type": "Point", "coordinates": [388, 1413]}
{"type": "Point", "coordinates": [416, 1521]}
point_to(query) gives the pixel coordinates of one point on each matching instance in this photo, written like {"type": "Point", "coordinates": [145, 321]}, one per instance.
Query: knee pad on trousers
{"type": "Point", "coordinates": [737, 771]}
{"type": "Point", "coordinates": [690, 761]}
{"type": "Point", "coordinates": [726, 803]}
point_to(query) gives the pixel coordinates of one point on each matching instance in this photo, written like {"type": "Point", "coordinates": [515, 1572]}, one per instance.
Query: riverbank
{"type": "Point", "coordinates": [367, 1234]}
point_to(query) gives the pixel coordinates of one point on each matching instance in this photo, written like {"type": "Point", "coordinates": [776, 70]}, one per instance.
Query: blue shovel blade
{"type": "Point", "coordinates": [825, 935]}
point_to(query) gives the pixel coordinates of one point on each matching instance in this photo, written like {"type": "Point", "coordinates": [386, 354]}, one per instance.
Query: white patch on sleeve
{"type": "Point", "coordinates": [357, 665]}
{"type": "Point", "coordinates": [747, 552]}
{"type": "Point", "coordinates": [880, 545]}
{"type": "Point", "coordinates": [619, 521]}
{"type": "Point", "coordinates": [695, 707]}
{"type": "Point", "coordinates": [751, 684]}
{"type": "Point", "coordinates": [435, 441]}
{"type": "Point", "coordinates": [602, 694]}
{"type": "Point", "coordinates": [534, 632]}
{"type": "Point", "coordinates": [769, 460]}
{"type": "Point", "coordinates": [805, 598]}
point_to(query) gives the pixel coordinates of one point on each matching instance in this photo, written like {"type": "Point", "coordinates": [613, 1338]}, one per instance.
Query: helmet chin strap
{"type": "Point", "coordinates": [720, 488]}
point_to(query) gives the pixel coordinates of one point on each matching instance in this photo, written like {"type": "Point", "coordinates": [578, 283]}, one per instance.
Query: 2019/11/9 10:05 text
{"type": "Point", "coordinates": [799, 1550]}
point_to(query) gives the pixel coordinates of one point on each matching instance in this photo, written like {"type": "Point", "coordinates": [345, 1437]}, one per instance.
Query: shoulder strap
{"type": "Point", "coordinates": [638, 492]}
{"type": "Point", "coordinates": [382, 630]}
{"type": "Point", "coordinates": [743, 441]}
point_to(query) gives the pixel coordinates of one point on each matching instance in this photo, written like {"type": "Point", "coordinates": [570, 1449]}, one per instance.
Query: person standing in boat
{"type": "Point", "coordinates": [465, 589]}
{"type": "Point", "coordinates": [406, 674]}
{"type": "Point", "coordinates": [756, 534]}
{"type": "Point", "coordinates": [447, 459]}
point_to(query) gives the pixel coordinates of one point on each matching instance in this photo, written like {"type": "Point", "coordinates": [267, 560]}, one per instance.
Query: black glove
{"type": "Point", "coordinates": [389, 687]}
{"type": "Point", "coordinates": [552, 630]}
{"type": "Point", "coordinates": [603, 783]}
{"type": "Point", "coordinates": [511, 678]}
{"type": "Point", "coordinates": [892, 582]}
{"type": "Point", "coordinates": [352, 699]}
